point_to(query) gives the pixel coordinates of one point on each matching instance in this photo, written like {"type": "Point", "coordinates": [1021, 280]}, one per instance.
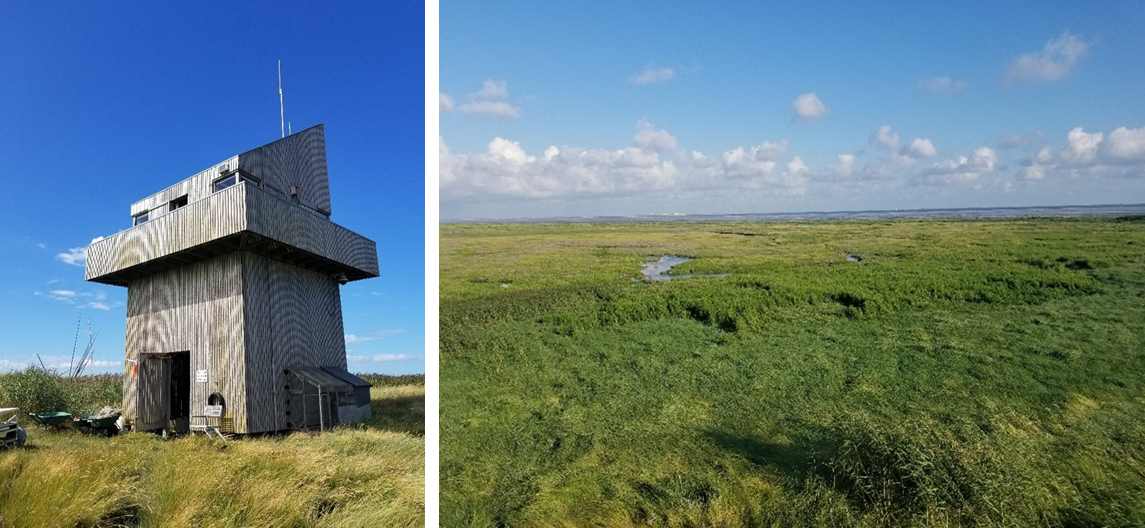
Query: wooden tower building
{"type": "Point", "coordinates": [233, 309]}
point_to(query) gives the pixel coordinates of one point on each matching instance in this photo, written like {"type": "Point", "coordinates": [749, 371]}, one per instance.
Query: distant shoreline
{"type": "Point", "coordinates": [972, 213]}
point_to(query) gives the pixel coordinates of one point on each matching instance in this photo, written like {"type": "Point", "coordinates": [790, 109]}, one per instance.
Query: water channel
{"type": "Point", "coordinates": [658, 270]}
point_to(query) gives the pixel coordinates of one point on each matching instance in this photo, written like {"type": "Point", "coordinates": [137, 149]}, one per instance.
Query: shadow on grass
{"type": "Point", "coordinates": [401, 414]}
{"type": "Point", "coordinates": [796, 461]}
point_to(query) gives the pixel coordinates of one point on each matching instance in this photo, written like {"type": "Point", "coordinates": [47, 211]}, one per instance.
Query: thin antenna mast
{"type": "Point", "coordinates": [281, 109]}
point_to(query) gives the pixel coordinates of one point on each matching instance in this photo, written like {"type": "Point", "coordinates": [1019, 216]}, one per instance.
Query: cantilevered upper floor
{"type": "Point", "coordinates": [273, 200]}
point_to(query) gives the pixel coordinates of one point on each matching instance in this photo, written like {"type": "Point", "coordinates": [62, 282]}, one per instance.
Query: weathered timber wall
{"type": "Point", "coordinates": [293, 318]}
{"type": "Point", "coordinates": [225, 213]}
{"type": "Point", "coordinates": [277, 219]}
{"type": "Point", "coordinates": [221, 215]}
{"type": "Point", "coordinates": [196, 308]}
{"type": "Point", "coordinates": [298, 159]}
{"type": "Point", "coordinates": [194, 188]}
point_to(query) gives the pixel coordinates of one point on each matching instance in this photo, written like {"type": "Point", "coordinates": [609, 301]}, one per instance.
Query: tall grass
{"type": "Point", "coordinates": [964, 373]}
{"type": "Point", "coordinates": [368, 474]}
{"type": "Point", "coordinates": [36, 390]}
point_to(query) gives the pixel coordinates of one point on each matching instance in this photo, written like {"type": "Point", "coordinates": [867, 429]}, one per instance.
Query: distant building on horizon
{"type": "Point", "coordinates": [234, 318]}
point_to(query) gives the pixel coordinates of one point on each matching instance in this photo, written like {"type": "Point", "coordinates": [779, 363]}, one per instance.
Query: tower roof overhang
{"type": "Point", "coordinates": [242, 217]}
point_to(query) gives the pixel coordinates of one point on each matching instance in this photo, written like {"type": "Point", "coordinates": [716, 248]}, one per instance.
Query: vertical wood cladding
{"type": "Point", "coordinates": [241, 280]}
{"type": "Point", "coordinates": [298, 159]}
{"type": "Point", "coordinates": [204, 221]}
{"type": "Point", "coordinates": [198, 309]}
{"type": "Point", "coordinates": [238, 209]}
{"type": "Point", "coordinates": [278, 220]}
{"type": "Point", "coordinates": [293, 318]}
{"type": "Point", "coordinates": [194, 188]}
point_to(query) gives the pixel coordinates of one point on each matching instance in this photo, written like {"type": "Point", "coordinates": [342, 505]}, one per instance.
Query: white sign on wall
{"type": "Point", "coordinates": [200, 376]}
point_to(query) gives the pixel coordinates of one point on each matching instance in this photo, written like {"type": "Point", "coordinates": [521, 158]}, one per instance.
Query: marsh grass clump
{"type": "Point", "coordinates": [909, 466]}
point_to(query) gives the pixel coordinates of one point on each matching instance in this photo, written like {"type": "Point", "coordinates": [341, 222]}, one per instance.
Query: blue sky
{"type": "Point", "coordinates": [649, 107]}
{"type": "Point", "coordinates": [101, 106]}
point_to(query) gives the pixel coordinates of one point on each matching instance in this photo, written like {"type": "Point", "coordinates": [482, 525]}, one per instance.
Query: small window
{"type": "Point", "coordinates": [140, 218]}
{"type": "Point", "coordinates": [225, 182]}
{"type": "Point", "coordinates": [250, 179]}
{"type": "Point", "coordinates": [178, 202]}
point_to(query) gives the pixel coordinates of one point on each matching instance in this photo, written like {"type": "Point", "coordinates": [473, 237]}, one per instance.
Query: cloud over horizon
{"type": "Point", "coordinates": [656, 165]}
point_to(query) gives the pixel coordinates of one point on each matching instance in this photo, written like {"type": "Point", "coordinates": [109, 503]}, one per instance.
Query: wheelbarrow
{"type": "Point", "coordinates": [104, 425]}
{"type": "Point", "coordinates": [54, 420]}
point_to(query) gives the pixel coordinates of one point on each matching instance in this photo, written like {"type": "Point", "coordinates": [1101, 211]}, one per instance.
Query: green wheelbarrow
{"type": "Point", "coordinates": [54, 420]}
{"type": "Point", "coordinates": [104, 425]}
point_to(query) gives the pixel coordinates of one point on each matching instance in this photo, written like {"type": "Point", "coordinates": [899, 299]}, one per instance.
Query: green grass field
{"type": "Point", "coordinates": [370, 474]}
{"type": "Point", "coordinates": [963, 373]}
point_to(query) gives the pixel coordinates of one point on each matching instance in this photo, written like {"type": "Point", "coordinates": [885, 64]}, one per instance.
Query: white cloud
{"type": "Point", "coordinates": [397, 357]}
{"type": "Point", "coordinates": [962, 168]}
{"type": "Point", "coordinates": [1121, 153]}
{"type": "Point", "coordinates": [93, 363]}
{"type": "Point", "coordinates": [1054, 61]}
{"type": "Point", "coordinates": [884, 138]}
{"type": "Point", "coordinates": [63, 293]}
{"type": "Point", "coordinates": [922, 148]}
{"type": "Point", "coordinates": [506, 169]}
{"type": "Point", "coordinates": [98, 305]}
{"type": "Point", "coordinates": [444, 102]}
{"type": "Point", "coordinates": [488, 103]}
{"type": "Point", "coordinates": [1033, 172]}
{"type": "Point", "coordinates": [74, 256]}
{"type": "Point", "coordinates": [496, 109]}
{"type": "Point", "coordinates": [649, 138]}
{"type": "Point", "coordinates": [1124, 144]}
{"type": "Point", "coordinates": [845, 166]}
{"type": "Point", "coordinates": [940, 85]}
{"type": "Point", "coordinates": [377, 334]}
{"type": "Point", "coordinates": [9, 365]}
{"type": "Point", "coordinates": [652, 75]}
{"type": "Point", "coordinates": [42, 245]}
{"type": "Point", "coordinates": [797, 168]}
{"type": "Point", "coordinates": [357, 358]}
{"type": "Point", "coordinates": [653, 164]}
{"type": "Point", "coordinates": [759, 160]}
{"type": "Point", "coordinates": [1081, 147]}
{"type": "Point", "coordinates": [808, 108]}
{"type": "Point", "coordinates": [491, 89]}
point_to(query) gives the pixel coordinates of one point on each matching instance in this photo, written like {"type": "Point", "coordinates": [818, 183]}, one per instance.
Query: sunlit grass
{"type": "Point", "coordinates": [356, 475]}
{"type": "Point", "coordinates": [964, 373]}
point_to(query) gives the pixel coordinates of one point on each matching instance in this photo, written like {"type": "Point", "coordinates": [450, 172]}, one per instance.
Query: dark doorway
{"type": "Point", "coordinates": [181, 390]}
{"type": "Point", "coordinates": [164, 397]}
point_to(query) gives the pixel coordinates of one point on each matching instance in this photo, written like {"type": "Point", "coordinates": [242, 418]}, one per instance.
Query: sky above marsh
{"type": "Point", "coordinates": [584, 109]}
{"type": "Point", "coordinates": [103, 105]}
